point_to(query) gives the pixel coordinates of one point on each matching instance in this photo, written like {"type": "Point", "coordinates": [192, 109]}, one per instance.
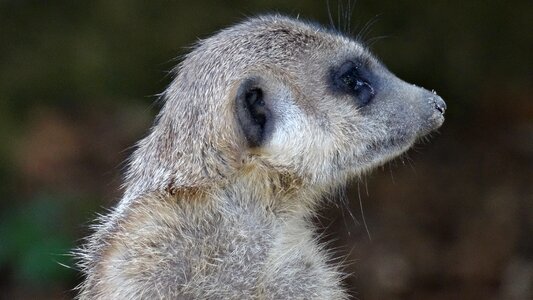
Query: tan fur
{"type": "Point", "coordinates": [206, 216]}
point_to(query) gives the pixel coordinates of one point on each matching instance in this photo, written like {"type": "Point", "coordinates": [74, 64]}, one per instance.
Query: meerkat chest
{"type": "Point", "coordinates": [228, 251]}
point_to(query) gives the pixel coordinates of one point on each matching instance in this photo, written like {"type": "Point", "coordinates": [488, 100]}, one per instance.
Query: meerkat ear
{"type": "Point", "coordinates": [253, 113]}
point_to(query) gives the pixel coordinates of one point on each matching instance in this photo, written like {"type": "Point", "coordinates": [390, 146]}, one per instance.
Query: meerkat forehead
{"type": "Point", "coordinates": [275, 43]}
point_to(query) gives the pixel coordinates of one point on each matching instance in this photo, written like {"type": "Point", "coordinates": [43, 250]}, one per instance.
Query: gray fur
{"type": "Point", "coordinates": [204, 216]}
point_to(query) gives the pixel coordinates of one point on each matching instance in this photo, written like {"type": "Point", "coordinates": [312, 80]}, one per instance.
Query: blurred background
{"type": "Point", "coordinates": [453, 219]}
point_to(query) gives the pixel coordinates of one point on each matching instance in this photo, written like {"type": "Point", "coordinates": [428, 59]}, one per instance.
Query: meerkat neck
{"type": "Point", "coordinates": [258, 235]}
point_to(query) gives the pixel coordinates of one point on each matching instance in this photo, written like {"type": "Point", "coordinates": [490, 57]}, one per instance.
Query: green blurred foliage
{"type": "Point", "coordinates": [35, 239]}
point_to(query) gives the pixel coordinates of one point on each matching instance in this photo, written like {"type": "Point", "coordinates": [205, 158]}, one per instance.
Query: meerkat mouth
{"type": "Point", "coordinates": [385, 150]}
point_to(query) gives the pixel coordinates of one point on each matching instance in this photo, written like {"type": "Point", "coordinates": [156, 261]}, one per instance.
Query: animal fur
{"type": "Point", "coordinates": [206, 213]}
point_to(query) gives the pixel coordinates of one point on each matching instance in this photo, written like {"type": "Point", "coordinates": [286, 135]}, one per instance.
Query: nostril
{"type": "Point", "coordinates": [439, 104]}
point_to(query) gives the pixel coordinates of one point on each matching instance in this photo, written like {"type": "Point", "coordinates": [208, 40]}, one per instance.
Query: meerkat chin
{"type": "Point", "coordinates": [261, 120]}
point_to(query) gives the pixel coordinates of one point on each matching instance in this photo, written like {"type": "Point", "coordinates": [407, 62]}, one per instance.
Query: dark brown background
{"type": "Point", "coordinates": [451, 220]}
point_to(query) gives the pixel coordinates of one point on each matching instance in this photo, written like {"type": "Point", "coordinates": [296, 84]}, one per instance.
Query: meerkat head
{"type": "Point", "coordinates": [292, 96]}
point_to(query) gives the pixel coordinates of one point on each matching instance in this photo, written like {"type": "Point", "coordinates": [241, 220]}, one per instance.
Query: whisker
{"type": "Point", "coordinates": [363, 213]}
{"type": "Point", "coordinates": [331, 23]}
{"type": "Point", "coordinates": [367, 27]}
{"type": "Point", "coordinates": [371, 41]}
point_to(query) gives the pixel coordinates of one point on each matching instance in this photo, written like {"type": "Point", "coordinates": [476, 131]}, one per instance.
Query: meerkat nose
{"type": "Point", "coordinates": [439, 104]}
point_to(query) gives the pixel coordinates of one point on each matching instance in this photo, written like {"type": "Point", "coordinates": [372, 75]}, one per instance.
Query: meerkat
{"type": "Point", "coordinates": [261, 121]}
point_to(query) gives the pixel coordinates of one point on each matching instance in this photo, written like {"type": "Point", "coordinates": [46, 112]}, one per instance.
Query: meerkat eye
{"type": "Point", "coordinates": [349, 79]}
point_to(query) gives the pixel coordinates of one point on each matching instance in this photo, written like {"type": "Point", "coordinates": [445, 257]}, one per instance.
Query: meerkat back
{"type": "Point", "coordinates": [261, 120]}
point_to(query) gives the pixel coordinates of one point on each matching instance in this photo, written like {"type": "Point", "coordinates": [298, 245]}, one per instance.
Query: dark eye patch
{"type": "Point", "coordinates": [350, 78]}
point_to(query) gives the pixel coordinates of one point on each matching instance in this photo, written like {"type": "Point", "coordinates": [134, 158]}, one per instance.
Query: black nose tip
{"type": "Point", "coordinates": [439, 104]}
